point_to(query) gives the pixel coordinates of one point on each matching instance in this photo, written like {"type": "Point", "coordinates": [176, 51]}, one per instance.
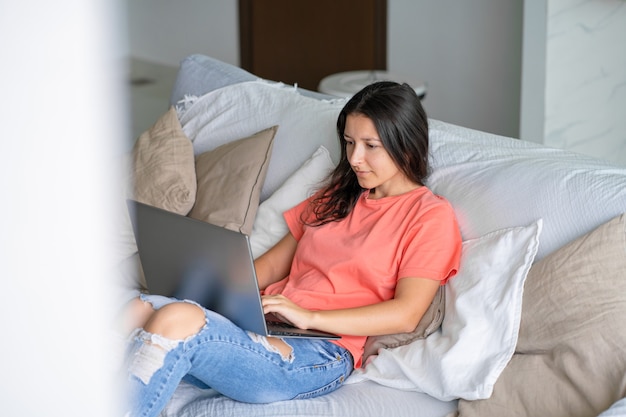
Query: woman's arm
{"type": "Point", "coordinates": [401, 314]}
{"type": "Point", "coordinates": [275, 264]}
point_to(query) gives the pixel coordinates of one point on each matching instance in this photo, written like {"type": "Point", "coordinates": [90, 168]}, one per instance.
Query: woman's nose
{"type": "Point", "coordinates": [355, 155]}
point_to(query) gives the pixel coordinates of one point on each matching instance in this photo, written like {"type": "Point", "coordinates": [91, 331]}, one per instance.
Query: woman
{"type": "Point", "coordinates": [364, 256]}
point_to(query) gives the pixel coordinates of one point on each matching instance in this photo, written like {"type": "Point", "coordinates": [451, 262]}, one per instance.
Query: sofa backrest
{"type": "Point", "coordinates": [493, 182]}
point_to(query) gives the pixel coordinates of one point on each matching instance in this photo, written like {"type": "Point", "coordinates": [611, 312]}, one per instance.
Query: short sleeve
{"type": "Point", "coordinates": [433, 248]}
{"type": "Point", "coordinates": [293, 218]}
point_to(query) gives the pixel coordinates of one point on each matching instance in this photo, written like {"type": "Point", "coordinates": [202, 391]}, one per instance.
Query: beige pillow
{"type": "Point", "coordinates": [428, 324]}
{"type": "Point", "coordinates": [163, 166]}
{"type": "Point", "coordinates": [570, 358]}
{"type": "Point", "coordinates": [230, 178]}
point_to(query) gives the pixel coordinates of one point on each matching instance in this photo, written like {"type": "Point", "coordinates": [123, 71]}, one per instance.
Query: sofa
{"type": "Point", "coordinates": [530, 326]}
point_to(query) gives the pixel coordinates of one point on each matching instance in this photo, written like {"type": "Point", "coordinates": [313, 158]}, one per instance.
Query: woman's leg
{"type": "Point", "coordinates": [244, 366]}
{"type": "Point", "coordinates": [154, 373]}
{"type": "Point", "coordinates": [135, 315]}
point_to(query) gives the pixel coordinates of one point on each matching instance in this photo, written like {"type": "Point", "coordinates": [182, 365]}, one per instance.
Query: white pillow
{"type": "Point", "coordinates": [269, 225]}
{"type": "Point", "coordinates": [494, 183]}
{"type": "Point", "coordinates": [239, 110]}
{"type": "Point", "coordinates": [479, 331]}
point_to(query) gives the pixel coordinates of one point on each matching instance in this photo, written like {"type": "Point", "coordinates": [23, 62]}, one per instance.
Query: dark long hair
{"type": "Point", "coordinates": [402, 126]}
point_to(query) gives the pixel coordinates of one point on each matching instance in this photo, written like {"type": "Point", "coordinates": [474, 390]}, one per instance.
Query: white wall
{"type": "Point", "coordinates": [469, 53]}
{"type": "Point", "coordinates": [61, 81]}
{"type": "Point", "coordinates": [532, 108]}
{"type": "Point", "coordinates": [166, 31]}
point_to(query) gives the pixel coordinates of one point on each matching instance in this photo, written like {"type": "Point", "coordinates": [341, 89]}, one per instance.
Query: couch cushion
{"type": "Point", "coordinates": [163, 166]}
{"type": "Point", "coordinates": [571, 354]}
{"type": "Point", "coordinates": [495, 182]}
{"type": "Point", "coordinates": [230, 178]}
{"type": "Point", "coordinates": [483, 304]}
{"type": "Point", "coordinates": [199, 74]}
{"type": "Point", "coordinates": [239, 110]}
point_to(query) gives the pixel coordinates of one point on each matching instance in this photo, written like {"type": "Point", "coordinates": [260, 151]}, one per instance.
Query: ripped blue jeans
{"type": "Point", "coordinates": [234, 362]}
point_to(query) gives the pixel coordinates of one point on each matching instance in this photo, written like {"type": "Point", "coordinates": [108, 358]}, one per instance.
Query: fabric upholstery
{"type": "Point", "coordinates": [571, 355]}
{"type": "Point", "coordinates": [478, 335]}
{"type": "Point", "coordinates": [230, 178]}
{"type": "Point", "coordinates": [163, 166]}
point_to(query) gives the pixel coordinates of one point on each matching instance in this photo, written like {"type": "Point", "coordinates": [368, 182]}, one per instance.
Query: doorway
{"type": "Point", "coordinates": [302, 41]}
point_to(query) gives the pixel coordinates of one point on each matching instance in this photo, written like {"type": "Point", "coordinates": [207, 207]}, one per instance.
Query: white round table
{"type": "Point", "coordinates": [346, 84]}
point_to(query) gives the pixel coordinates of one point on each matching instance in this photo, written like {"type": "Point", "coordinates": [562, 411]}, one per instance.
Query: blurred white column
{"type": "Point", "coordinates": [62, 113]}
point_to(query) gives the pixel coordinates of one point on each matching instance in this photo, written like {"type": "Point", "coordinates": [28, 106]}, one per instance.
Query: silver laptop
{"type": "Point", "coordinates": [189, 259]}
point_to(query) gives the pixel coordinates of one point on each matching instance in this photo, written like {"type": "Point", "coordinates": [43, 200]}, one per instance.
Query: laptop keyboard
{"type": "Point", "coordinates": [276, 327]}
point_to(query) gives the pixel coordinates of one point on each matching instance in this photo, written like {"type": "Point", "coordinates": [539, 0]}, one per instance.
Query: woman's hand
{"type": "Point", "coordinates": [400, 314]}
{"type": "Point", "coordinates": [286, 310]}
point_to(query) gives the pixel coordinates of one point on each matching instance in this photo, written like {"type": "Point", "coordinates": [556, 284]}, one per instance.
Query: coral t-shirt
{"type": "Point", "coordinates": [358, 260]}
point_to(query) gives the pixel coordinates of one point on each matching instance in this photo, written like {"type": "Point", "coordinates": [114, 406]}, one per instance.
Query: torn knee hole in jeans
{"type": "Point", "coordinates": [150, 355]}
{"type": "Point", "coordinates": [264, 341]}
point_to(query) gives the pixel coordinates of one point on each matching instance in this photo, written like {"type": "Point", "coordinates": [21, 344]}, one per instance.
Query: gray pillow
{"type": "Point", "coordinates": [200, 74]}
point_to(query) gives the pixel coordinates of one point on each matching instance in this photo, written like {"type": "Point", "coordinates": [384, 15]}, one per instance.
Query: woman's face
{"type": "Point", "coordinates": [370, 161]}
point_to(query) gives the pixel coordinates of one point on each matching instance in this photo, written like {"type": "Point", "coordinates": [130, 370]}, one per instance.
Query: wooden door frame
{"type": "Point", "coordinates": [245, 34]}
